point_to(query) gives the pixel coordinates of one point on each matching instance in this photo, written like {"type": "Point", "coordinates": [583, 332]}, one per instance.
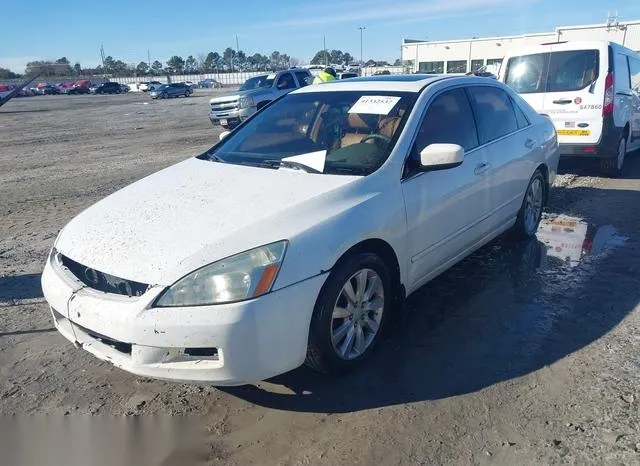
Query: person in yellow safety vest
{"type": "Point", "coordinates": [326, 75]}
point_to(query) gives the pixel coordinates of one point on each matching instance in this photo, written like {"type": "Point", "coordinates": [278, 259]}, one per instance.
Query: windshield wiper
{"type": "Point", "coordinates": [291, 164]}
{"type": "Point", "coordinates": [215, 158]}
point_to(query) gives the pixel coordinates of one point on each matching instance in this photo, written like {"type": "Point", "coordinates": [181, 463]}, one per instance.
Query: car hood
{"type": "Point", "coordinates": [237, 94]}
{"type": "Point", "coordinates": [189, 215]}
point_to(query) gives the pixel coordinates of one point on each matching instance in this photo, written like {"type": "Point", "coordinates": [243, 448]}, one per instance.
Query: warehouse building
{"type": "Point", "coordinates": [461, 56]}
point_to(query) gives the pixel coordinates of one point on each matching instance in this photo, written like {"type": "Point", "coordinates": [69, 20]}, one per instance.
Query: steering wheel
{"type": "Point", "coordinates": [376, 137]}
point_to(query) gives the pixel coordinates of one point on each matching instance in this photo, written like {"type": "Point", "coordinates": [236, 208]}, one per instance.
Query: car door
{"type": "Point", "coordinates": [509, 148]}
{"type": "Point", "coordinates": [444, 209]}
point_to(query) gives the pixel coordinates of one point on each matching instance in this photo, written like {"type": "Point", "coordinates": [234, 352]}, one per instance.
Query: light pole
{"type": "Point", "coordinates": [362, 28]}
{"type": "Point", "coordinates": [324, 50]}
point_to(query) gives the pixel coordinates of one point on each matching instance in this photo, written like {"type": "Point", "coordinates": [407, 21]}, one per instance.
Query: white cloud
{"type": "Point", "coordinates": [383, 12]}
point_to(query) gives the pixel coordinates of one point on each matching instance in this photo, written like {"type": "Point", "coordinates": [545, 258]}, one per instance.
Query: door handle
{"type": "Point", "coordinates": [481, 168]}
{"type": "Point", "coordinates": [529, 143]}
{"type": "Point", "coordinates": [562, 101]}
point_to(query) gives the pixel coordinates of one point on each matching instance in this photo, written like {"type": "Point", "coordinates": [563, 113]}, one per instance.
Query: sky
{"type": "Point", "coordinates": [127, 30]}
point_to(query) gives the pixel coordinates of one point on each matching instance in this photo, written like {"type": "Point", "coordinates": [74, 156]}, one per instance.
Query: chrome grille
{"type": "Point", "coordinates": [222, 106]}
{"type": "Point", "coordinates": [102, 281]}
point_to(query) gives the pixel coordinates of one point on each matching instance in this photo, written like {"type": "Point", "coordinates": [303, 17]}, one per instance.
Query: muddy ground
{"type": "Point", "coordinates": [515, 356]}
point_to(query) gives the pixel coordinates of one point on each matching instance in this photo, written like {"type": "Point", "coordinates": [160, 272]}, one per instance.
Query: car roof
{"type": "Point", "coordinates": [397, 82]}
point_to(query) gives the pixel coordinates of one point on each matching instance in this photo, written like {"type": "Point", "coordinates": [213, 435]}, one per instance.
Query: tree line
{"type": "Point", "coordinates": [229, 60]}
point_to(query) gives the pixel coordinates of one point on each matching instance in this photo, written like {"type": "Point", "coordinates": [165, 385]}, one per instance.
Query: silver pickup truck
{"type": "Point", "coordinates": [229, 110]}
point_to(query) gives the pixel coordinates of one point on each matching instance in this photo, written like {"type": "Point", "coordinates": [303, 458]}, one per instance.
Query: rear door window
{"type": "Point", "coordinates": [561, 71]}
{"type": "Point", "coordinates": [494, 113]}
{"type": "Point", "coordinates": [521, 118]}
{"type": "Point", "coordinates": [303, 78]}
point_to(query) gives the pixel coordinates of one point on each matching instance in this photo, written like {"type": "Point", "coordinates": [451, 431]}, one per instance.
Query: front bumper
{"type": "Point", "coordinates": [232, 117]}
{"type": "Point", "coordinates": [229, 344]}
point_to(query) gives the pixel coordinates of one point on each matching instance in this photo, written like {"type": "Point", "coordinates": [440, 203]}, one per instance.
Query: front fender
{"type": "Point", "coordinates": [316, 249]}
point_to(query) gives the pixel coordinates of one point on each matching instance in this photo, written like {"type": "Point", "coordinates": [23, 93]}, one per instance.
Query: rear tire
{"type": "Point", "coordinates": [530, 212]}
{"type": "Point", "coordinates": [350, 314]}
{"type": "Point", "coordinates": [612, 166]}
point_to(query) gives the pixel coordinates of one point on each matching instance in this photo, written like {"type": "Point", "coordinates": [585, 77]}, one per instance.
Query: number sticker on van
{"type": "Point", "coordinates": [590, 107]}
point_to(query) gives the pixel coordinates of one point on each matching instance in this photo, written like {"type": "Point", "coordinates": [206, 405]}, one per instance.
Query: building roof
{"type": "Point", "coordinates": [613, 25]}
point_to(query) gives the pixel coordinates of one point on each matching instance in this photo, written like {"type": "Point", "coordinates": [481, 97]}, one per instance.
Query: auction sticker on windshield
{"type": "Point", "coordinates": [374, 104]}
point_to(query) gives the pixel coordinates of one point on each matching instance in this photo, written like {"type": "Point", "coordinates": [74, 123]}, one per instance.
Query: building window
{"type": "Point", "coordinates": [494, 61]}
{"type": "Point", "coordinates": [432, 67]}
{"type": "Point", "coordinates": [457, 66]}
{"type": "Point", "coordinates": [476, 64]}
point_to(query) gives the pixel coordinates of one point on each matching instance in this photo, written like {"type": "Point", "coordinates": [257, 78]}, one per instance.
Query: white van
{"type": "Point", "coordinates": [591, 92]}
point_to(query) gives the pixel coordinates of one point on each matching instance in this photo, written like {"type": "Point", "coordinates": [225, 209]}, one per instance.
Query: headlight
{"type": "Point", "coordinates": [243, 276]}
{"type": "Point", "coordinates": [245, 102]}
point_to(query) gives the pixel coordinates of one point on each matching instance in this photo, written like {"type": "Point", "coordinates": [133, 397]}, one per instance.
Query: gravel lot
{"type": "Point", "coordinates": [512, 357]}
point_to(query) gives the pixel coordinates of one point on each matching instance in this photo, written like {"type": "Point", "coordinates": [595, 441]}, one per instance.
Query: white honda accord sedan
{"type": "Point", "coordinates": [296, 237]}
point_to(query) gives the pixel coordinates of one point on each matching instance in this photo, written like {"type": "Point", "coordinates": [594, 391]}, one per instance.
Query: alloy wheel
{"type": "Point", "coordinates": [357, 314]}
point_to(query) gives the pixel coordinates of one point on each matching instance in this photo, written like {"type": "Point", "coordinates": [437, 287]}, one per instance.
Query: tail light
{"type": "Point", "coordinates": [607, 107]}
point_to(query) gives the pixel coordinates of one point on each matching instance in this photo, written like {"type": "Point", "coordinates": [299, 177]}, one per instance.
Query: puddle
{"type": "Point", "coordinates": [570, 239]}
{"type": "Point", "coordinates": [532, 278]}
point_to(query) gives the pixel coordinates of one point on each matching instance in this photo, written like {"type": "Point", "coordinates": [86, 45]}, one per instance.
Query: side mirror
{"type": "Point", "coordinates": [224, 134]}
{"type": "Point", "coordinates": [441, 156]}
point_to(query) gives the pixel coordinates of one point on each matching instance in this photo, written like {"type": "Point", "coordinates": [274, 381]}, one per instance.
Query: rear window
{"type": "Point", "coordinates": [563, 71]}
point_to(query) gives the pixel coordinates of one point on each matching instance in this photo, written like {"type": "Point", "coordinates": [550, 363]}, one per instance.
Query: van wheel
{"type": "Point", "coordinates": [530, 212]}
{"type": "Point", "coordinates": [349, 314]}
{"type": "Point", "coordinates": [612, 167]}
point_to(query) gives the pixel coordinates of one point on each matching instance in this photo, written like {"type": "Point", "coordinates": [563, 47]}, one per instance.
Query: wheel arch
{"type": "Point", "coordinates": [544, 169]}
{"type": "Point", "coordinates": [386, 252]}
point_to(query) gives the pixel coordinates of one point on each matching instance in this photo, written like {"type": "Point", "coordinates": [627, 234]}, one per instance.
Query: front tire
{"type": "Point", "coordinates": [530, 212]}
{"type": "Point", "coordinates": [350, 314]}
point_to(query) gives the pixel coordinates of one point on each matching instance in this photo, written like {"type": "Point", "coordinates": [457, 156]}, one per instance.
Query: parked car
{"type": "Point", "coordinates": [81, 86]}
{"type": "Point", "coordinates": [382, 72]}
{"type": "Point", "coordinates": [146, 86]}
{"type": "Point", "coordinates": [50, 89]}
{"type": "Point", "coordinates": [166, 91]}
{"type": "Point", "coordinates": [76, 90]}
{"type": "Point", "coordinates": [347, 75]}
{"type": "Point", "coordinates": [210, 83]}
{"type": "Point", "coordinates": [591, 92]}
{"type": "Point", "coordinates": [107, 88]}
{"type": "Point", "coordinates": [295, 237]}
{"type": "Point", "coordinates": [229, 110]}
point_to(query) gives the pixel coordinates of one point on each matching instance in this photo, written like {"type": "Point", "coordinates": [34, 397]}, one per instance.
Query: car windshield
{"type": "Point", "coordinates": [257, 82]}
{"type": "Point", "coordinates": [561, 71]}
{"type": "Point", "coordinates": [346, 132]}
{"type": "Point", "coordinates": [162, 87]}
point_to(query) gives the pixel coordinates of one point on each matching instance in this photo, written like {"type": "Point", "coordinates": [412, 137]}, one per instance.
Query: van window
{"type": "Point", "coordinates": [563, 71]}
{"type": "Point", "coordinates": [634, 66]}
{"type": "Point", "coordinates": [623, 79]}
